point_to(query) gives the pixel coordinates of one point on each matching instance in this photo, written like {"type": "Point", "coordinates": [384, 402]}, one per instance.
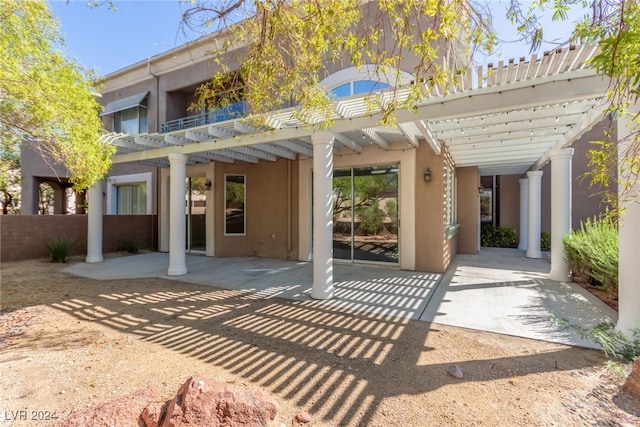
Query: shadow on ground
{"type": "Point", "coordinates": [326, 359]}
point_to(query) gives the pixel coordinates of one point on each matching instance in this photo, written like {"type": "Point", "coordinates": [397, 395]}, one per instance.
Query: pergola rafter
{"type": "Point", "coordinates": [544, 103]}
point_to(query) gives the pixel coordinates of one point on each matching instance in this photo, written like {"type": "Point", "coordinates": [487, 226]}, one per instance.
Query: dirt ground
{"type": "Point", "coordinates": [67, 343]}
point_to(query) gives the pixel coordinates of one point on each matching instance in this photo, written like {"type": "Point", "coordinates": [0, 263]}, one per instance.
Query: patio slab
{"type": "Point", "coordinates": [497, 290]}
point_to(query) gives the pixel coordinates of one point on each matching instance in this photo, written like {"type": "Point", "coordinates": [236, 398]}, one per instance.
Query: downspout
{"type": "Point", "coordinates": [158, 180]}
{"type": "Point", "coordinates": [155, 76]}
{"type": "Point", "coordinates": [289, 209]}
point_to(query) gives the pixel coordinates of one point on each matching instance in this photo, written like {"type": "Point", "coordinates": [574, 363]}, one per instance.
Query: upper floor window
{"type": "Point", "coordinates": [363, 80]}
{"type": "Point", "coordinates": [131, 121]}
{"type": "Point", "coordinates": [357, 87]}
{"type": "Point", "coordinates": [129, 114]}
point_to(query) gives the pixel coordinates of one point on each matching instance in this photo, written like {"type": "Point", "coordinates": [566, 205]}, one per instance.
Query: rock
{"type": "Point", "coordinates": [632, 384]}
{"type": "Point", "coordinates": [455, 371]}
{"type": "Point", "coordinates": [303, 417]}
{"type": "Point", "coordinates": [117, 412]}
{"type": "Point", "coordinates": [204, 402]}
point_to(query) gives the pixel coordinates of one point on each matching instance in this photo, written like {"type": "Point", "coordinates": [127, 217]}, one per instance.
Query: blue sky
{"type": "Point", "coordinates": [107, 41]}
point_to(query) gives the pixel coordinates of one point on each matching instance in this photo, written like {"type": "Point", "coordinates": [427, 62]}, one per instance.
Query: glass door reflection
{"type": "Point", "coordinates": [366, 214]}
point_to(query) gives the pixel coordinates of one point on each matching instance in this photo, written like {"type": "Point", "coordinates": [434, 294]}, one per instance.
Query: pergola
{"type": "Point", "coordinates": [512, 118]}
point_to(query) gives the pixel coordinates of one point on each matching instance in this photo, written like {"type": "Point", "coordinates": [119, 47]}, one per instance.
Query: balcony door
{"type": "Point", "coordinates": [365, 214]}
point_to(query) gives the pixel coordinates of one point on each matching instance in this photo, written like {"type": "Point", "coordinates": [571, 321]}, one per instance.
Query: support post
{"type": "Point", "coordinates": [177, 217]}
{"type": "Point", "coordinates": [628, 231]}
{"type": "Point", "coordinates": [524, 214]}
{"type": "Point", "coordinates": [94, 224]}
{"type": "Point", "coordinates": [560, 212]}
{"type": "Point", "coordinates": [322, 215]}
{"type": "Point", "coordinates": [535, 202]}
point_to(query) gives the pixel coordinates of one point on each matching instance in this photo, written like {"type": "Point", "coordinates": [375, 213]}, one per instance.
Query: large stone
{"type": "Point", "coordinates": [204, 402]}
{"type": "Point", "coordinates": [632, 384]}
{"type": "Point", "coordinates": [123, 411]}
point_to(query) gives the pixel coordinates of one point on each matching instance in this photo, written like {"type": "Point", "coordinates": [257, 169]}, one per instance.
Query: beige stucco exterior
{"type": "Point", "coordinates": [586, 202]}
{"type": "Point", "coordinates": [433, 228]}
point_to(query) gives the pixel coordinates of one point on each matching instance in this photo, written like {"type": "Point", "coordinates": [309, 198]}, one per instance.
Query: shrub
{"type": "Point", "coordinates": [392, 210]}
{"type": "Point", "coordinates": [498, 237]}
{"type": "Point", "coordinates": [59, 248]}
{"type": "Point", "coordinates": [545, 241]}
{"type": "Point", "coordinates": [592, 253]}
{"type": "Point", "coordinates": [128, 246]}
{"type": "Point", "coordinates": [371, 219]}
{"type": "Point", "coordinates": [614, 342]}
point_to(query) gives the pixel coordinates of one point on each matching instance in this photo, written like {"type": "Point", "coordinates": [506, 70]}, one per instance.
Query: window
{"type": "Point", "coordinates": [235, 198]}
{"type": "Point", "coordinates": [129, 114]}
{"type": "Point", "coordinates": [365, 79]}
{"type": "Point", "coordinates": [450, 194]}
{"type": "Point", "coordinates": [131, 199]}
{"type": "Point", "coordinates": [131, 121]}
{"type": "Point", "coordinates": [357, 87]}
{"type": "Point", "coordinates": [129, 194]}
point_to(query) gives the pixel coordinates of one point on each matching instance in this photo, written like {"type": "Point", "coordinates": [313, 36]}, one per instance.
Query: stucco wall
{"type": "Point", "coordinates": [27, 236]}
{"type": "Point", "coordinates": [270, 208]}
{"type": "Point", "coordinates": [434, 251]}
{"type": "Point", "coordinates": [468, 210]}
{"type": "Point", "coordinates": [586, 203]}
{"type": "Point", "coordinates": [509, 201]}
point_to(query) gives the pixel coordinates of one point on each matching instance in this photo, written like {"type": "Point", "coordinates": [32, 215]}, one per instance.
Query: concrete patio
{"type": "Point", "coordinates": [496, 290]}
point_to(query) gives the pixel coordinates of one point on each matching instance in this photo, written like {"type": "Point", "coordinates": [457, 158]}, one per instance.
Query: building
{"type": "Point", "coordinates": [406, 195]}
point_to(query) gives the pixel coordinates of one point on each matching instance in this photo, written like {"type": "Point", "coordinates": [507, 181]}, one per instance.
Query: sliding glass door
{"type": "Point", "coordinates": [365, 214]}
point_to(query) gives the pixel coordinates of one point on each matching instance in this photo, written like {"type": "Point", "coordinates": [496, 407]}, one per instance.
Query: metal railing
{"type": "Point", "coordinates": [220, 114]}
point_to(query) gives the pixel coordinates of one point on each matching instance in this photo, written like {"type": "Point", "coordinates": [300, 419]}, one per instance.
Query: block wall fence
{"type": "Point", "coordinates": [26, 236]}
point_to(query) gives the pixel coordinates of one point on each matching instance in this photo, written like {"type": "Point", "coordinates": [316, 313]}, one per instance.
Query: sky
{"type": "Point", "coordinates": [107, 41]}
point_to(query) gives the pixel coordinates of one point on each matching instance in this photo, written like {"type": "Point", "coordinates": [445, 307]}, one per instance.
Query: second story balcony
{"type": "Point", "coordinates": [232, 111]}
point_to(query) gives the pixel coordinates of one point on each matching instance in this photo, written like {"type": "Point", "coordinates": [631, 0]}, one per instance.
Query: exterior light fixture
{"type": "Point", "coordinates": [207, 184]}
{"type": "Point", "coordinates": [427, 175]}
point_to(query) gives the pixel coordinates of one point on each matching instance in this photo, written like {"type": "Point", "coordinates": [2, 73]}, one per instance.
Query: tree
{"type": "Point", "coordinates": [9, 176]}
{"type": "Point", "coordinates": [285, 46]}
{"type": "Point", "coordinates": [46, 97]}
{"type": "Point", "coordinates": [615, 26]}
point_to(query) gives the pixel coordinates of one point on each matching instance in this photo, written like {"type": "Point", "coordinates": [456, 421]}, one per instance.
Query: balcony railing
{"type": "Point", "coordinates": [220, 114]}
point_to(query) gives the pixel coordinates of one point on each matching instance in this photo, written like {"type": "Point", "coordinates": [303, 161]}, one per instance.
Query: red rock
{"type": "Point", "coordinates": [204, 402]}
{"type": "Point", "coordinates": [632, 384]}
{"type": "Point", "coordinates": [117, 412]}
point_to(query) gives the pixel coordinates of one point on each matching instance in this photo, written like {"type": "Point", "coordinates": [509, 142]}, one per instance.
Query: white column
{"type": "Point", "coordinates": [535, 208]}
{"type": "Point", "coordinates": [628, 236]}
{"type": "Point", "coordinates": [322, 215]}
{"type": "Point", "coordinates": [524, 213]}
{"type": "Point", "coordinates": [177, 217]}
{"type": "Point", "coordinates": [560, 212]}
{"type": "Point", "coordinates": [94, 224]}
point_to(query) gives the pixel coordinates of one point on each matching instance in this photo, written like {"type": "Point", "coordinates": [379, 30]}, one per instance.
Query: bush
{"type": "Point", "coordinates": [545, 241]}
{"type": "Point", "coordinates": [498, 237]}
{"type": "Point", "coordinates": [614, 342]}
{"type": "Point", "coordinates": [371, 219]}
{"type": "Point", "coordinates": [59, 248]}
{"type": "Point", "coordinates": [592, 253]}
{"type": "Point", "coordinates": [128, 246]}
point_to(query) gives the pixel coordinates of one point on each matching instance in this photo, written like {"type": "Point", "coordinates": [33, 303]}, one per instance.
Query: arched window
{"type": "Point", "coordinates": [357, 87]}
{"type": "Point", "coordinates": [363, 80]}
